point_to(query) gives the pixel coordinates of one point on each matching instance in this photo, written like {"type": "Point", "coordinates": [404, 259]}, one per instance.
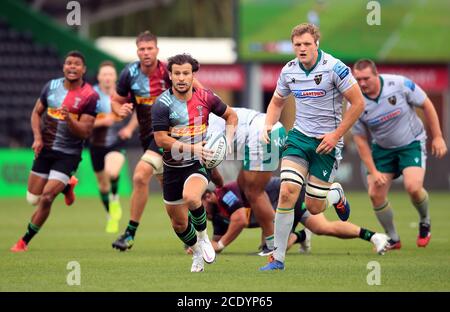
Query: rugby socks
{"type": "Point", "coordinates": [284, 219]}
{"type": "Point", "coordinates": [422, 208]}
{"type": "Point", "coordinates": [31, 231]}
{"type": "Point", "coordinates": [385, 216]}
{"type": "Point", "coordinates": [198, 218]}
{"type": "Point", "coordinates": [189, 236]}
{"type": "Point", "coordinates": [269, 241]}
{"type": "Point", "coordinates": [301, 236]}
{"type": "Point", "coordinates": [131, 228]}
{"type": "Point", "coordinates": [365, 234]}
{"type": "Point", "coordinates": [105, 200]}
{"type": "Point", "coordinates": [114, 186]}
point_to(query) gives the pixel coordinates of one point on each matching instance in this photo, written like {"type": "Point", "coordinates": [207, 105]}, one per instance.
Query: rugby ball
{"type": "Point", "coordinates": [218, 144]}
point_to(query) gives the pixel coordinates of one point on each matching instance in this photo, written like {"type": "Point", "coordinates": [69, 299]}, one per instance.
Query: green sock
{"type": "Point", "coordinates": [31, 231]}
{"type": "Point", "coordinates": [114, 186]}
{"type": "Point", "coordinates": [189, 237]}
{"type": "Point", "coordinates": [366, 234]}
{"type": "Point", "coordinates": [132, 227]}
{"type": "Point", "coordinates": [301, 236]}
{"type": "Point", "coordinates": [198, 217]}
{"type": "Point", "coordinates": [105, 200]}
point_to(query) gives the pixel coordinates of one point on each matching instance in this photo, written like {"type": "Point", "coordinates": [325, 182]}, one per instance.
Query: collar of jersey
{"type": "Point", "coordinates": [307, 72]}
{"type": "Point", "coordinates": [379, 94]}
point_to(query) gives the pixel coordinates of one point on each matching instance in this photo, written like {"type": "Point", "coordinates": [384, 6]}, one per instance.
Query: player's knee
{"type": "Point", "coordinates": [191, 200]}
{"type": "Point", "coordinates": [179, 226]}
{"type": "Point", "coordinates": [140, 179]}
{"type": "Point", "coordinates": [315, 206]}
{"type": "Point", "coordinates": [287, 194]}
{"type": "Point", "coordinates": [33, 199]}
{"type": "Point", "coordinates": [47, 198]}
{"type": "Point", "coordinates": [413, 189]}
{"type": "Point", "coordinates": [376, 198]}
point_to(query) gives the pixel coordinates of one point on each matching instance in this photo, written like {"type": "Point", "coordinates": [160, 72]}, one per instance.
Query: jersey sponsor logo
{"type": "Point", "coordinates": [180, 131]}
{"type": "Point", "coordinates": [145, 100]}
{"type": "Point", "coordinates": [77, 102]}
{"type": "Point", "coordinates": [230, 198]}
{"type": "Point", "coordinates": [324, 172]}
{"type": "Point", "coordinates": [309, 93]}
{"type": "Point", "coordinates": [200, 110]}
{"type": "Point", "coordinates": [318, 79]}
{"type": "Point", "coordinates": [341, 70]}
{"type": "Point", "coordinates": [385, 117]}
{"type": "Point", "coordinates": [56, 113]}
{"type": "Point", "coordinates": [291, 63]}
{"type": "Point", "coordinates": [410, 84]}
{"type": "Point", "coordinates": [392, 100]}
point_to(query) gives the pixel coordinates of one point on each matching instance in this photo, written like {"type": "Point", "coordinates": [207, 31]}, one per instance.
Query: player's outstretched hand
{"type": "Point", "coordinates": [125, 110]}
{"type": "Point", "coordinates": [438, 147]}
{"type": "Point", "coordinates": [379, 178]}
{"type": "Point", "coordinates": [266, 133]}
{"type": "Point", "coordinates": [37, 146]}
{"type": "Point", "coordinates": [329, 141]}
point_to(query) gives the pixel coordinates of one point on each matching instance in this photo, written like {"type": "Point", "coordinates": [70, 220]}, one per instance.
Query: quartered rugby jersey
{"type": "Point", "coordinates": [185, 121]}
{"type": "Point", "coordinates": [143, 90]}
{"type": "Point", "coordinates": [106, 136]}
{"type": "Point", "coordinates": [317, 92]}
{"type": "Point", "coordinates": [390, 118]}
{"type": "Point", "coordinates": [55, 133]}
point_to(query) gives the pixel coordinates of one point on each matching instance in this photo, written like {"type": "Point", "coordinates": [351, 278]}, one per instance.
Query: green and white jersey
{"type": "Point", "coordinates": [390, 118]}
{"type": "Point", "coordinates": [318, 93]}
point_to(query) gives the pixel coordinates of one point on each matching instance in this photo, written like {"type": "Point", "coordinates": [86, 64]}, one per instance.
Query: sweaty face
{"type": "Point", "coordinates": [182, 77]}
{"type": "Point", "coordinates": [147, 52]}
{"type": "Point", "coordinates": [367, 81]}
{"type": "Point", "coordinates": [305, 49]}
{"type": "Point", "coordinates": [73, 68]}
{"type": "Point", "coordinates": [107, 77]}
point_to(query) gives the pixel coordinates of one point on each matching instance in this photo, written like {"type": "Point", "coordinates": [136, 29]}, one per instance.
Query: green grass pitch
{"type": "Point", "coordinates": [157, 261]}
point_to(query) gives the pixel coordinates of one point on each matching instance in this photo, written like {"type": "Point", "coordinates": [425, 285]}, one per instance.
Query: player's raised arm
{"type": "Point", "coordinates": [231, 121]}
{"type": "Point", "coordinates": [120, 105]}
{"type": "Point", "coordinates": [438, 146]}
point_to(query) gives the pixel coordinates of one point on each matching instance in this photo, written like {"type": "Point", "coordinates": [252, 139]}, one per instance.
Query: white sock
{"type": "Point", "coordinates": [284, 219]}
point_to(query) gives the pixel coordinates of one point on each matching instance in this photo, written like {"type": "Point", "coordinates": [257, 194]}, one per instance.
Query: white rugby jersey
{"type": "Point", "coordinates": [317, 92]}
{"type": "Point", "coordinates": [390, 118]}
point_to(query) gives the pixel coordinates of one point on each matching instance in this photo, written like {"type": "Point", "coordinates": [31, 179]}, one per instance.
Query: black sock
{"type": "Point", "coordinates": [198, 217]}
{"type": "Point", "coordinates": [189, 236]}
{"type": "Point", "coordinates": [131, 228]}
{"type": "Point", "coordinates": [301, 236]}
{"type": "Point", "coordinates": [31, 231]}
{"type": "Point", "coordinates": [66, 189]}
{"type": "Point", "coordinates": [366, 234]}
{"type": "Point", "coordinates": [114, 186]}
{"type": "Point", "coordinates": [105, 200]}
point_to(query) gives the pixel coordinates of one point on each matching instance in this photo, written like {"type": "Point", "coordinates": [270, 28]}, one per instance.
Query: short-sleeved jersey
{"type": "Point", "coordinates": [391, 119]}
{"type": "Point", "coordinates": [105, 136]}
{"type": "Point", "coordinates": [185, 121]}
{"type": "Point", "coordinates": [143, 91]}
{"type": "Point", "coordinates": [56, 134]}
{"type": "Point", "coordinates": [317, 92]}
{"type": "Point", "coordinates": [245, 117]}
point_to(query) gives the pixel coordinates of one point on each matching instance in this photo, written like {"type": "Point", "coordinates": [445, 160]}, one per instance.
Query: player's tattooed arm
{"type": "Point", "coordinates": [36, 115]}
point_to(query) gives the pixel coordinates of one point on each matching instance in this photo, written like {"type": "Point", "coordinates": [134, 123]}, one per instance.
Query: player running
{"type": "Point", "coordinates": [67, 106]}
{"type": "Point", "coordinates": [143, 81]}
{"type": "Point", "coordinates": [180, 121]}
{"type": "Point", "coordinates": [312, 151]}
{"type": "Point", "coordinates": [259, 162]}
{"type": "Point", "coordinates": [107, 145]}
{"type": "Point", "coordinates": [398, 144]}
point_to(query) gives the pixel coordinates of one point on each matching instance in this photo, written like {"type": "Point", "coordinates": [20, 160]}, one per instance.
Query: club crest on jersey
{"type": "Point", "coordinates": [77, 101]}
{"type": "Point", "coordinates": [318, 79]}
{"type": "Point", "coordinates": [200, 110]}
{"type": "Point", "coordinates": [392, 100]}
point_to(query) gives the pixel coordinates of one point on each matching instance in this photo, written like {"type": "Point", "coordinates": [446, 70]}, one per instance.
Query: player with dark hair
{"type": "Point", "coordinates": [180, 121]}
{"type": "Point", "coordinates": [143, 81]}
{"type": "Point", "coordinates": [67, 107]}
